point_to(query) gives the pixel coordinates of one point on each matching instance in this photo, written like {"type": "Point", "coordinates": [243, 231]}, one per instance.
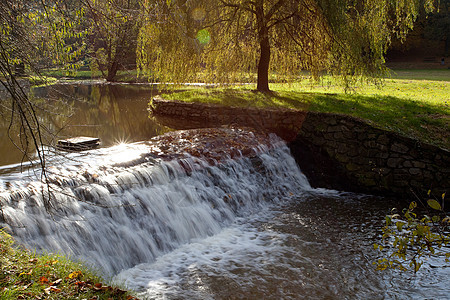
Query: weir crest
{"type": "Point", "coordinates": [130, 204]}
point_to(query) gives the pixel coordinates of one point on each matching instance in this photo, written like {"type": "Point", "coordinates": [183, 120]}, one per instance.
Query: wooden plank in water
{"type": "Point", "coordinates": [78, 143]}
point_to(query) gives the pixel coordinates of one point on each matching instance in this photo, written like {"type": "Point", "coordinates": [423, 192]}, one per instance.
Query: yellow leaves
{"type": "Point", "coordinates": [75, 275]}
{"type": "Point", "coordinates": [434, 204]}
{"type": "Point", "coordinates": [24, 274]}
{"type": "Point", "coordinates": [399, 225]}
{"type": "Point", "coordinates": [378, 247]}
{"type": "Point", "coordinates": [50, 263]}
{"type": "Point", "coordinates": [410, 237]}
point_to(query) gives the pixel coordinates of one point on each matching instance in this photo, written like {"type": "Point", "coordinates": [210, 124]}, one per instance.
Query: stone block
{"type": "Point", "coordinates": [383, 155]}
{"type": "Point", "coordinates": [338, 136]}
{"type": "Point", "coordinates": [367, 181]}
{"type": "Point", "coordinates": [381, 147]}
{"type": "Point", "coordinates": [352, 167]}
{"type": "Point", "coordinates": [370, 144]}
{"type": "Point", "coordinates": [372, 153]}
{"type": "Point", "coordinates": [419, 164]}
{"type": "Point", "coordinates": [407, 164]}
{"type": "Point", "coordinates": [341, 148]}
{"type": "Point", "coordinates": [400, 148]}
{"type": "Point", "coordinates": [331, 121]}
{"type": "Point", "coordinates": [383, 139]}
{"type": "Point", "coordinates": [401, 183]}
{"type": "Point", "coordinates": [353, 151]}
{"type": "Point", "coordinates": [334, 129]}
{"type": "Point", "coordinates": [348, 135]}
{"type": "Point", "coordinates": [342, 158]}
{"type": "Point", "coordinates": [362, 136]}
{"type": "Point", "coordinates": [362, 161]}
{"type": "Point", "coordinates": [415, 171]}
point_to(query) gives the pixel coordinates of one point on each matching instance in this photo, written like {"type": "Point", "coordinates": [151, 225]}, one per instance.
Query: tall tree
{"type": "Point", "coordinates": [348, 38]}
{"type": "Point", "coordinates": [114, 26]}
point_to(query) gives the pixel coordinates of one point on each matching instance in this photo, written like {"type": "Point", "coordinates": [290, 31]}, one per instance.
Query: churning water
{"type": "Point", "coordinates": [250, 228]}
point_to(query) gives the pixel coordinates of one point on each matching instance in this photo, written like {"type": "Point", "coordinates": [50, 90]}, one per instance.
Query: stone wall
{"type": "Point", "coordinates": [181, 115]}
{"type": "Point", "coordinates": [334, 151]}
{"type": "Point", "coordinates": [345, 153]}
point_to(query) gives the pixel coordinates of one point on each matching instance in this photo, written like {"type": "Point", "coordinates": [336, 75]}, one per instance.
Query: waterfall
{"type": "Point", "coordinates": [118, 207]}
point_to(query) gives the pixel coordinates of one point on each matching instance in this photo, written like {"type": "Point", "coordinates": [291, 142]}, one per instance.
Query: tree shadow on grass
{"type": "Point", "coordinates": [418, 120]}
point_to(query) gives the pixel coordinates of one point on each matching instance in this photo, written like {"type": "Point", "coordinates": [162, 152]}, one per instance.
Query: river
{"type": "Point", "coordinates": [249, 228]}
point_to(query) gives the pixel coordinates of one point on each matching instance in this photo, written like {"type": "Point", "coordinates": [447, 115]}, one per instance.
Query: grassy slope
{"type": "Point", "coordinates": [25, 275]}
{"type": "Point", "coordinates": [412, 107]}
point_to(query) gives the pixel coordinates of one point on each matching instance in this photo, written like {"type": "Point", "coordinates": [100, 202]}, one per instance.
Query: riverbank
{"type": "Point", "coordinates": [26, 275]}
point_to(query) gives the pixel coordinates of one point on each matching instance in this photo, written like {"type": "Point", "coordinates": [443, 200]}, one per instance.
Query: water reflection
{"type": "Point", "coordinates": [114, 113]}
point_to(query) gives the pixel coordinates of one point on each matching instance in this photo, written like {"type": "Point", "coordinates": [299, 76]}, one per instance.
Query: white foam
{"type": "Point", "coordinates": [239, 246]}
{"type": "Point", "coordinates": [116, 216]}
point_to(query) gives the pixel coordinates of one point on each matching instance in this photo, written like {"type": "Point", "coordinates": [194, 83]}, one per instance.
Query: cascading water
{"type": "Point", "coordinates": [118, 216]}
{"type": "Point", "coordinates": [181, 227]}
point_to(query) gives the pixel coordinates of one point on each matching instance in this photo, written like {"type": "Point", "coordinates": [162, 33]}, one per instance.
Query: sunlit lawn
{"type": "Point", "coordinates": [433, 74]}
{"type": "Point", "coordinates": [415, 108]}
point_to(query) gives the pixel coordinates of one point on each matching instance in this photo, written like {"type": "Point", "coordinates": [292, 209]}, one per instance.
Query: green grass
{"type": "Point", "coordinates": [433, 74]}
{"type": "Point", "coordinates": [25, 275]}
{"type": "Point", "coordinates": [122, 76]}
{"type": "Point", "coordinates": [41, 80]}
{"type": "Point", "coordinates": [415, 108]}
{"type": "Point", "coordinates": [79, 75]}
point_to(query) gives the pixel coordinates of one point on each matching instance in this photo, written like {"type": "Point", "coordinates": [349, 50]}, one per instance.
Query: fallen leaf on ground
{"type": "Point", "coordinates": [52, 289]}
{"type": "Point", "coordinates": [43, 279]}
{"type": "Point", "coordinates": [75, 274]}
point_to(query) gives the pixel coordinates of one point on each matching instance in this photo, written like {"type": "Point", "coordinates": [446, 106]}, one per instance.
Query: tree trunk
{"type": "Point", "coordinates": [264, 45]}
{"type": "Point", "coordinates": [263, 65]}
{"type": "Point", "coordinates": [112, 71]}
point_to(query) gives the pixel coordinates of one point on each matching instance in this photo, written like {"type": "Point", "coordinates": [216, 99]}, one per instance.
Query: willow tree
{"type": "Point", "coordinates": [222, 38]}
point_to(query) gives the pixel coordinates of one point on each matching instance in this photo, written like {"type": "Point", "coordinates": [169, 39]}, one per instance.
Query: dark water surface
{"type": "Point", "coordinates": [319, 246]}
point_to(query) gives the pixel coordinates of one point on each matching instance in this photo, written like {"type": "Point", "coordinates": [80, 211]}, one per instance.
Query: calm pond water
{"type": "Point", "coordinates": [112, 112]}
